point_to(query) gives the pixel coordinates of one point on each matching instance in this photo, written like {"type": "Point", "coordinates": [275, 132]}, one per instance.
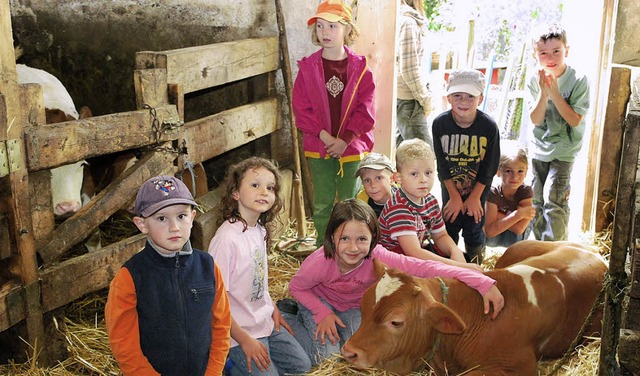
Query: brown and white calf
{"type": "Point", "coordinates": [66, 181]}
{"type": "Point", "coordinates": [549, 289]}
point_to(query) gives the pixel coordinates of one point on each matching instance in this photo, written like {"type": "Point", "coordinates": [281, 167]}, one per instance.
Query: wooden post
{"type": "Point", "coordinates": [605, 48]}
{"type": "Point", "coordinates": [297, 197]}
{"type": "Point", "coordinates": [377, 41]}
{"type": "Point", "coordinates": [612, 134]}
{"type": "Point", "coordinates": [621, 243]}
{"type": "Point", "coordinates": [15, 186]}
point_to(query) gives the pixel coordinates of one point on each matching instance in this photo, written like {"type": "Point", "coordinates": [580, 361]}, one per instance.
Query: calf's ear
{"type": "Point", "coordinates": [443, 319]}
{"type": "Point", "coordinates": [85, 112]}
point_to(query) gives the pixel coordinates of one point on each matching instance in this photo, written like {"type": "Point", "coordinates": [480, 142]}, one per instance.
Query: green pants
{"type": "Point", "coordinates": [328, 187]}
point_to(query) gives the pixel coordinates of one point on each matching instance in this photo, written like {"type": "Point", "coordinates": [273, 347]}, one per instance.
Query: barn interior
{"type": "Point", "coordinates": [215, 76]}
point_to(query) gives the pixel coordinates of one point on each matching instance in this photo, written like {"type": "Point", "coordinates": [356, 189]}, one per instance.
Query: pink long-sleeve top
{"type": "Point", "coordinates": [319, 277]}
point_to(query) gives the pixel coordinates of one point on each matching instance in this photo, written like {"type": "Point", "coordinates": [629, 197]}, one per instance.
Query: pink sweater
{"type": "Point", "coordinates": [319, 277]}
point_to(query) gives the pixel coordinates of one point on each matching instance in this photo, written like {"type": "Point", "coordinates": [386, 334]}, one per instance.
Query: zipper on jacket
{"type": "Point", "coordinates": [194, 292]}
{"type": "Point", "coordinates": [177, 260]}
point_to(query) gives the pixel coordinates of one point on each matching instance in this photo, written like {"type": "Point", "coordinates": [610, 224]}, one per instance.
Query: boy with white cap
{"type": "Point", "coordinates": [466, 142]}
{"type": "Point", "coordinates": [167, 311]}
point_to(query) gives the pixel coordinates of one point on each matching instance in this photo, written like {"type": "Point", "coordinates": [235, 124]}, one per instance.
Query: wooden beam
{"type": "Point", "coordinates": [629, 351]}
{"type": "Point", "coordinates": [213, 135]}
{"type": "Point", "coordinates": [202, 67]}
{"type": "Point", "coordinates": [378, 44]}
{"type": "Point", "coordinates": [84, 222]}
{"type": "Point", "coordinates": [206, 224]}
{"type": "Point", "coordinates": [621, 242]}
{"type": "Point", "coordinates": [151, 87]}
{"type": "Point", "coordinates": [42, 218]}
{"type": "Point", "coordinates": [91, 272]}
{"type": "Point", "coordinates": [612, 132]}
{"type": "Point", "coordinates": [12, 305]}
{"type": "Point", "coordinates": [52, 145]}
{"type": "Point", "coordinates": [605, 49]}
{"type": "Point", "coordinates": [15, 186]}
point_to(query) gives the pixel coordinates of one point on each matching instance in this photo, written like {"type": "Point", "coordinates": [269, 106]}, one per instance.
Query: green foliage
{"type": "Point", "coordinates": [500, 25]}
{"type": "Point", "coordinates": [432, 11]}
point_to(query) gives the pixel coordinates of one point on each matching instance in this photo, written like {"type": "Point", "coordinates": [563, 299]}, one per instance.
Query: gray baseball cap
{"type": "Point", "coordinates": [374, 161]}
{"type": "Point", "coordinates": [159, 192]}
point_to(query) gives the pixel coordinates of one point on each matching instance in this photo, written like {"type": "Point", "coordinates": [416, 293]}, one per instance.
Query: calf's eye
{"type": "Point", "coordinates": [397, 324]}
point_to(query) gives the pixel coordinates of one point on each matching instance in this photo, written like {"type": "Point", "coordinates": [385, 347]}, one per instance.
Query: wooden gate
{"type": "Point", "coordinates": [29, 239]}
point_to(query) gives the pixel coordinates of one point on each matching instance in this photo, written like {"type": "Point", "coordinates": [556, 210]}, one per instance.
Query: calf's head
{"type": "Point", "coordinates": [401, 318]}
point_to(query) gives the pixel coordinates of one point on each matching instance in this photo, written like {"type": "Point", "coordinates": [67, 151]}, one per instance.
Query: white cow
{"type": "Point", "coordinates": [66, 181]}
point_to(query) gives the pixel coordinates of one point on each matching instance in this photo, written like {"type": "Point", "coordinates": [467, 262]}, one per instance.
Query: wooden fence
{"type": "Point", "coordinates": [29, 239]}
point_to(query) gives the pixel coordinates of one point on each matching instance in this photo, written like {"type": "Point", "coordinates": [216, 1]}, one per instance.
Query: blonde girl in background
{"type": "Point", "coordinates": [333, 103]}
{"type": "Point", "coordinates": [509, 207]}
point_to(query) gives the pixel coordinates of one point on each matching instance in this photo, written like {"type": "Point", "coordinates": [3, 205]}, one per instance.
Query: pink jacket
{"type": "Point", "coordinates": [311, 106]}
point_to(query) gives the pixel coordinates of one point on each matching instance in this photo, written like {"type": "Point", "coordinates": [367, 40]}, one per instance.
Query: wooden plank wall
{"type": "Point", "coordinates": [192, 69]}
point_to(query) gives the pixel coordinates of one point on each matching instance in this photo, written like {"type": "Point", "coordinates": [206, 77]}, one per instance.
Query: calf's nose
{"type": "Point", "coordinates": [348, 354]}
{"type": "Point", "coordinates": [66, 207]}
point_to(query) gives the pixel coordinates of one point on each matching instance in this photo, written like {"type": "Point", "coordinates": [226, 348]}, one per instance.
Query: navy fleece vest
{"type": "Point", "coordinates": [175, 296]}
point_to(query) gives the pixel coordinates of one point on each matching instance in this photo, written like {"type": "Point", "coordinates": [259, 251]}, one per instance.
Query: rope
{"type": "Point", "coordinates": [189, 166]}
{"type": "Point", "coordinates": [445, 300]}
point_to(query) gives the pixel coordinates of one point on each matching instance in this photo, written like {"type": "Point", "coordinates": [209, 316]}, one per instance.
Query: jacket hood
{"type": "Point", "coordinates": [408, 11]}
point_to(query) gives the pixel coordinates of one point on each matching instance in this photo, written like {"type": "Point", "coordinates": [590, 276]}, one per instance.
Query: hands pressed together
{"type": "Point", "coordinates": [334, 146]}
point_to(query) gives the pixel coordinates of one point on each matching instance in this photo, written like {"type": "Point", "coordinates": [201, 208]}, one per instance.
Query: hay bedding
{"type": "Point", "coordinates": [89, 352]}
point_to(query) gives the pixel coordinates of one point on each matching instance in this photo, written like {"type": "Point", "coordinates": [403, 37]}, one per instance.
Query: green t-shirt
{"type": "Point", "coordinates": [555, 138]}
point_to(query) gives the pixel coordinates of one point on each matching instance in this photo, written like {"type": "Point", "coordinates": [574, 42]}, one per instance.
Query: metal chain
{"type": "Point", "coordinates": [157, 128]}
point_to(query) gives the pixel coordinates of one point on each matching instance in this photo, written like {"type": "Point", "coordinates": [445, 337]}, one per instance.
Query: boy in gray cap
{"type": "Point", "coordinates": [376, 172]}
{"type": "Point", "coordinates": [167, 311]}
{"type": "Point", "coordinates": [466, 142]}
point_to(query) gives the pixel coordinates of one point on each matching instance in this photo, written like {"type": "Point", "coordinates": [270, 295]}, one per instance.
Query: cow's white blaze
{"type": "Point", "coordinates": [526, 271]}
{"type": "Point", "coordinates": [387, 286]}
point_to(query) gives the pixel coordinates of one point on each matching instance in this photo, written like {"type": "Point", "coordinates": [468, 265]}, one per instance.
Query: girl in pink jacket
{"type": "Point", "coordinates": [333, 103]}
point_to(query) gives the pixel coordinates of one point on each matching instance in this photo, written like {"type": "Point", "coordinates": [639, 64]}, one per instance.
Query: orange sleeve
{"type": "Point", "coordinates": [220, 325]}
{"type": "Point", "coordinates": [121, 318]}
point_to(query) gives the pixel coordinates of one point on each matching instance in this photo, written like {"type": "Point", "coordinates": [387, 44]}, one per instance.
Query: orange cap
{"type": "Point", "coordinates": [332, 11]}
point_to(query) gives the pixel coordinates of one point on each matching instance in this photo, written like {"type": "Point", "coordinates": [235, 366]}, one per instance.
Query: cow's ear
{"type": "Point", "coordinates": [444, 320]}
{"type": "Point", "coordinates": [85, 112]}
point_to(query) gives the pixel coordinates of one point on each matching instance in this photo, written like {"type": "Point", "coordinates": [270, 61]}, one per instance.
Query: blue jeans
{"type": "Point", "coordinates": [304, 328]}
{"type": "Point", "coordinates": [287, 356]}
{"type": "Point", "coordinates": [551, 188]}
{"type": "Point", "coordinates": [328, 187]}
{"type": "Point", "coordinates": [472, 232]}
{"type": "Point", "coordinates": [508, 238]}
{"type": "Point", "coordinates": [411, 121]}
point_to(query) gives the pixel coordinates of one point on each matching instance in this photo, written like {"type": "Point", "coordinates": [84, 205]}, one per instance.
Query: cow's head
{"type": "Point", "coordinates": [401, 318]}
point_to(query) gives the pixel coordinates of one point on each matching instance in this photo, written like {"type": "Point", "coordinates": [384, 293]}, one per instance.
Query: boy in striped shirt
{"type": "Point", "coordinates": [412, 217]}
